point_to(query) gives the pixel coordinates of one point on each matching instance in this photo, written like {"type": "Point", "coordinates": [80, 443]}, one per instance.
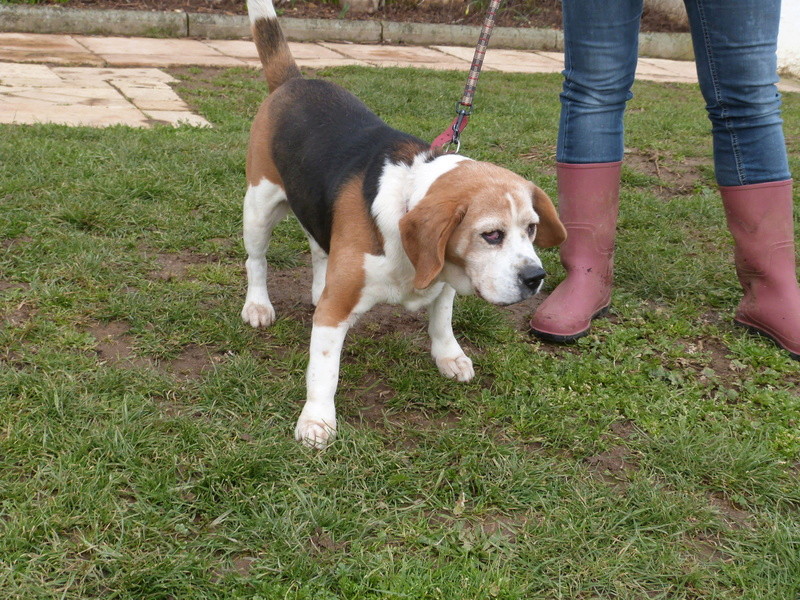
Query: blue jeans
{"type": "Point", "coordinates": [735, 47]}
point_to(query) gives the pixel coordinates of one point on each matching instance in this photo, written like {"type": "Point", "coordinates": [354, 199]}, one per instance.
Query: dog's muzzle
{"type": "Point", "coordinates": [531, 278]}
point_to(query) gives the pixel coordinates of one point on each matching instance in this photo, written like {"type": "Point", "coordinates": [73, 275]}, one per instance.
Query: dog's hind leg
{"type": "Point", "coordinates": [319, 264]}
{"type": "Point", "coordinates": [445, 349]}
{"type": "Point", "coordinates": [264, 206]}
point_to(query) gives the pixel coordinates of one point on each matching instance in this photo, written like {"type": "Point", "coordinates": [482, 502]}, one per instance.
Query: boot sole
{"type": "Point", "coordinates": [760, 332]}
{"type": "Point", "coordinates": [567, 339]}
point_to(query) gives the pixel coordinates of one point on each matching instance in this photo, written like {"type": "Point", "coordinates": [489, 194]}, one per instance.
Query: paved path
{"type": "Point", "coordinates": [101, 81]}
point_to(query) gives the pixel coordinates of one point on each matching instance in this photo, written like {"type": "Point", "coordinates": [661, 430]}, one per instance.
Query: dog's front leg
{"type": "Point", "coordinates": [316, 426]}
{"type": "Point", "coordinates": [446, 351]}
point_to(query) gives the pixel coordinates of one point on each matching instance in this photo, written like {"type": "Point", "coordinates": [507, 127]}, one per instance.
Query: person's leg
{"type": "Point", "coordinates": [600, 53]}
{"type": "Point", "coordinates": [735, 45]}
{"type": "Point", "coordinates": [600, 44]}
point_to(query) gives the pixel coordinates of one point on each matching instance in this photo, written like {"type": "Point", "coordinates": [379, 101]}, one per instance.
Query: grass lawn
{"type": "Point", "coordinates": [146, 446]}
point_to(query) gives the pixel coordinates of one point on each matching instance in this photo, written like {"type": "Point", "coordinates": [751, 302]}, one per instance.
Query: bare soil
{"type": "Point", "coordinates": [544, 14]}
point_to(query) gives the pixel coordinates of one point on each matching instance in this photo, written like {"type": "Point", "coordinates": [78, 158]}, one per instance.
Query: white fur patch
{"type": "Point", "coordinates": [261, 9]}
{"type": "Point", "coordinates": [264, 206]}
{"type": "Point", "coordinates": [316, 426]}
{"type": "Point", "coordinates": [400, 188]}
{"type": "Point", "coordinates": [426, 173]}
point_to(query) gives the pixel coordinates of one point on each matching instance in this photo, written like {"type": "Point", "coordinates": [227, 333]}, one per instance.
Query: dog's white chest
{"type": "Point", "coordinates": [391, 281]}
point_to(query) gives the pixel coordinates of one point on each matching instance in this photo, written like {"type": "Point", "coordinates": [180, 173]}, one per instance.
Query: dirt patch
{"type": "Point", "coordinates": [519, 315]}
{"type": "Point", "coordinates": [677, 177]}
{"type": "Point", "coordinates": [372, 399]}
{"type": "Point", "coordinates": [735, 518]}
{"type": "Point", "coordinates": [241, 566]}
{"type": "Point", "coordinates": [544, 156]}
{"type": "Point", "coordinates": [193, 362]}
{"type": "Point", "coordinates": [419, 420]}
{"type": "Point", "coordinates": [508, 526]}
{"type": "Point", "coordinates": [21, 314]}
{"type": "Point", "coordinates": [403, 425]}
{"type": "Point", "coordinates": [386, 319]}
{"type": "Point", "coordinates": [476, 528]}
{"type": "Point", "coordinates": [321, 542]}
{"type": "Point", "coordinates": [707, 549]}
{"type": "Point", "coordinates": [613, 466]}
{"type": "Point", "coordinates": [290, 292]}
{"type": "Point", "coordinates": [624, 429]}
{"type": "Point", "coordinates": [175, 265]}
{"type": "Point", "coordinates": [708, 361]}
{"type": "Point", "coordinates": [115, 346]}
{"type": "Point", "coordinates": [12, 285]}
{"type": "Point", "coordinates": [9, 243]}
{"type": "Point", "coordinates": [720, 361]}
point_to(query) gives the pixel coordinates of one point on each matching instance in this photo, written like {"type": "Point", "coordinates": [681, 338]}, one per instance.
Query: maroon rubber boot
{"type": "Point", "coordinates": [760, 219]}
{"type": "Point", "coordinates": [588, 203]}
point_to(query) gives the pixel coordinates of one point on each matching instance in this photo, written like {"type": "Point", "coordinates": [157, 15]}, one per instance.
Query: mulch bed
{"type": "Point", "coordinates": [513, 13]}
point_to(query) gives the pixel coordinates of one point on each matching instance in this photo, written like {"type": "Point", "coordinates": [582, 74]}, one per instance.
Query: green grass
{"type": "Point", "coordinates": [145, 432]}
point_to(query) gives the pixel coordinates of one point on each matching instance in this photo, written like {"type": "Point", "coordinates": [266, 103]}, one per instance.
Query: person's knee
{"type": "Point", "coordinates": [746, 105]}
{"type": "Point", "coordinates": [597, 91]}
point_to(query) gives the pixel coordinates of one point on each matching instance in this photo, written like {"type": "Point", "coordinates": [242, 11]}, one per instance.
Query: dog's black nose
{"type": "Point", "coordinates": [532, 277]}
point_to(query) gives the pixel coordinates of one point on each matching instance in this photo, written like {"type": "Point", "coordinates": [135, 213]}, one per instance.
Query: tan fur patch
{"type": "Point", "coordinates": [551, 231]}
{"type": "Point", "coordinates": [353, 236]}
{"type": "Point", "coordinates": [426, 230]}
{"type": "Point", "coordinates": [277, 60]}
{"type": "Point", "coordinates": [259, 154]}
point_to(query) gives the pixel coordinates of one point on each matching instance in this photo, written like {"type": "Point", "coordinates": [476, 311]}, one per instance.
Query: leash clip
{"type": "Point", "coordinates": [463, 112]}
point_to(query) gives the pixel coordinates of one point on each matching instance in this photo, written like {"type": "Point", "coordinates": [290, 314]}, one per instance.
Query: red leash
{"type": "Point", "coordinates": [452, 135]}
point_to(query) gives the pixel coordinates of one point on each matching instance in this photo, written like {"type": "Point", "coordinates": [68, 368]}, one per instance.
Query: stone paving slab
{"type": "Point", "coordinates": [96, 97]}
{"type": "Point", "coordinates": [157, 52]}
{"type": "Point", "coordinates": [311, 55]}
{"type": "Point", "coordinates": [95, 107]}
{"type": "Point", "coordinates": [86, 76]}
{"type": "Point", "coordinates": [510, 61]}
{"type": "Point", "coordinates": [656, 69]}
{"type": "Point", "coordinates": [398, 56]}
{"type": "Point", "coordinates": [26, 75]}
{"type": "Point", "coordinates": [37, 47]}
{"type": "Point", "coordinates": [105, 93]}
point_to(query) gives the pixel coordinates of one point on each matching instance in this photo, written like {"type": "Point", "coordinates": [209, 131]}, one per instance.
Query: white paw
{"type": "Point", "coordinates": [258, 315]}
{"type": "Point", "coordinates": [313, 433]}
{"type": "Point", "coordinates": [459, 368]}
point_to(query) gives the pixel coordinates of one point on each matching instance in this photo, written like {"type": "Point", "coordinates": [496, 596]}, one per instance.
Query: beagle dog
{"type": "Point", "coordinates": [387, 219]}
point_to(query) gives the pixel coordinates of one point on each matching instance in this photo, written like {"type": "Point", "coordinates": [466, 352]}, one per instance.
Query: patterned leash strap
{"type": "Point", "coordinates": [452, 135]}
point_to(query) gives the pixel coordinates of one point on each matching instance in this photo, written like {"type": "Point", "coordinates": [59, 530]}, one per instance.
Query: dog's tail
{"type": "Point", "coordinates": [277, 60]}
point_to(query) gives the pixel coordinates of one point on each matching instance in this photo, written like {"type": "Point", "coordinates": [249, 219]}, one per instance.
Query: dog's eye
{"type": "Point", "coordinates": [493, 237]}
{"type": "Point", "coordinates": [532, 230]}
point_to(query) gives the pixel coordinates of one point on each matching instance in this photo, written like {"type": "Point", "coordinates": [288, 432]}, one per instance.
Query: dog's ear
{"type": "Point", "coordinates": [551, 231]}
{"type": "Point", "coordinates": [425, 231]}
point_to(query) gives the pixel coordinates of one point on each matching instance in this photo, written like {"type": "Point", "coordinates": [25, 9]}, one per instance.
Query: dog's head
{"type": "Point", "coordinates": [476, 228]}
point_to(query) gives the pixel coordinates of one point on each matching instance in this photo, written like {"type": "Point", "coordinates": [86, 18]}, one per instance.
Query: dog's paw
{"type": "Point", "coordinates": [314, 434]}
{"type": "Point", "coordinates": [258, 315]}
{"type": "Point", "coordinates": [459, 368]}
